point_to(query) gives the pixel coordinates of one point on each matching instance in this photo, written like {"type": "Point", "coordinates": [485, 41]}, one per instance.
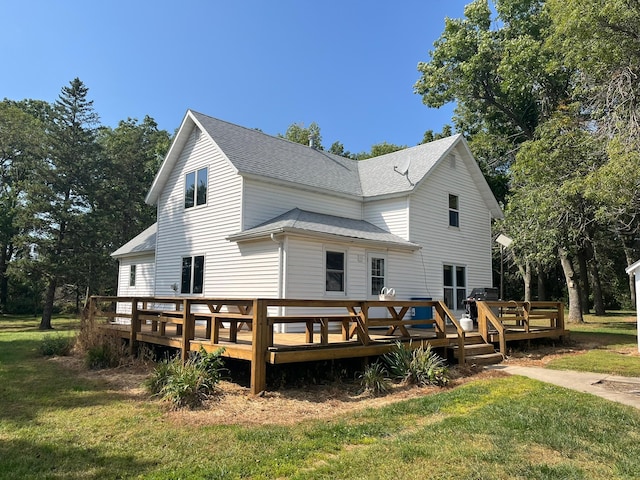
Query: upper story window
{"type": "Point", "coordinates": [454, 212]}
{"type": "Point", "coordinates": [334, 268]}
{"type": "Point", "coordinates": [132, 276]}
{"type": "Point", "coordinates": [192, 274]}
{"type": "Point", "coordinates": [195, 188]}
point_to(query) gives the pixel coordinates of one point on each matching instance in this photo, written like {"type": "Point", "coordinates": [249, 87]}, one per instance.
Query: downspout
{"type": "Point", "coordinates": [280, 270]}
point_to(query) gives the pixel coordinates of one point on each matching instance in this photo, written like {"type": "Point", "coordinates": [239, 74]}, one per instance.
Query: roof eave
{"type": "Point", "coordinates": [242, 237]}
{"type": "Point", "coordinates": [167, 164]}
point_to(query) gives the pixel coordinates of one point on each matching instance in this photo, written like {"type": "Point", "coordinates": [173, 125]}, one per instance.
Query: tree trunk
{"type": "Point", "coordinates": [584, 287]}
{"type": "Point", "coordinates": [628, 253]}
{"type": "Point", "coordinates": [47, 310]}
{"type": "Point", "coordinates": [542, 290]}
{"type": "Point", "coordinates": [4, 282]}
{"type": "Point", "coordinates": [598, 300]}
{"type": "Point", "coordinates": [525, 273]}
{"type": "Point", "coordinates": [575, 309]}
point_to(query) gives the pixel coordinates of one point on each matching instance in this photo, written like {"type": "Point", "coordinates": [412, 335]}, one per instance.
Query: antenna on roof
{"type": "Point", "coordinates": [403, 169]}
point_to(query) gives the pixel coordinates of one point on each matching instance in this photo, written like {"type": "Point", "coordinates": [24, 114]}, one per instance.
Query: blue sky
{"type": "Point", "coordinates": [347, 65]}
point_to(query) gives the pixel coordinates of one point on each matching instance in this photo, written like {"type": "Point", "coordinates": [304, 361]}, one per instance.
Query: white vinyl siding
{"type": "Point", "coordinates": [389, 214]}
{"type": "Point", "coordinates": [197, 231]}
{"type": "Point", "coordinates": [468, 245]}
{"type": "Point", "coordinates": [144, 273]}
{"type": "Point", "coordinates": [264, 201]}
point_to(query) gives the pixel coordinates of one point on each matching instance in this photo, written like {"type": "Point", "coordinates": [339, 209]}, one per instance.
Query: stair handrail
{"type": "Point", "coordinates": [459, 330]}
{"type": "Point", "coordinates": [485, 313]}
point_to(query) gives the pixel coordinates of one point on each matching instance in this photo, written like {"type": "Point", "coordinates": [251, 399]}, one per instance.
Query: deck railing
{"type": "Point", "coordinates": [356, 320]}
{"type": "Point", "coordinates": [513, 320]}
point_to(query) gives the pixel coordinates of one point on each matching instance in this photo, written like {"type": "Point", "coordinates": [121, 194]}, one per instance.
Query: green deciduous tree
{"type": "Point", "coordinates": [499, 72]}
{"type": "Point", "coordinates": [306, 136]}
{"type": "Point", "coordinates": [548, 210]}
{"type": "Point", "coordinates": [21, 149]}
{"type": "Point", "coordinates": [601, 40]}
{"type": "Point", "coordinates": [131, 154]}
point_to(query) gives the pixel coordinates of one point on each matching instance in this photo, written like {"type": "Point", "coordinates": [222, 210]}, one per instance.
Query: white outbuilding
{"type": "Point", "coordinates": [635, 270]}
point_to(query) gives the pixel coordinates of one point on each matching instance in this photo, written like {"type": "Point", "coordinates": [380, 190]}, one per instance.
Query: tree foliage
{"type": "Point", "coordinates": [500, 73]}
{"type": "Point", "coordinates": [70, 193]}
{"type": "Point", "coordinates": [21, 149]}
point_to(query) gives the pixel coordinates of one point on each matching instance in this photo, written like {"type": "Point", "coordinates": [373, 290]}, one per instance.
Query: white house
{"type": "Point", "coordinates": [635, 270]}
{"type": "Point", "coordinates": [245, 214]}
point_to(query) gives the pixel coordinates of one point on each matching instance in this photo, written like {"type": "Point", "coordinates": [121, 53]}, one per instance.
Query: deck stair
{"type": "Point", "coordinates": [477, 351]}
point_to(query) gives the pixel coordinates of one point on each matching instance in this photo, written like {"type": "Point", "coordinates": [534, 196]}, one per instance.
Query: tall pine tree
{"type": "Point", "coordinates": [61, 199]}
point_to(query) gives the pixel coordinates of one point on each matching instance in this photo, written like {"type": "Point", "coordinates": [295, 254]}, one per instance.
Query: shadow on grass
{"type": "Point", "coordinates": [31, 384]}
{"type": "Point", "coordinates": [39, 459]}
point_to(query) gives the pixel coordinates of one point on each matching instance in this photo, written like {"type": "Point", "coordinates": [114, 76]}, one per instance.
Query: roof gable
{"type": "Point", "coordinates": [254, 153]}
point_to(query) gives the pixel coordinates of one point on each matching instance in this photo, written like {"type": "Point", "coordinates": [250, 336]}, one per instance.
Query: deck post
{"type": "Point", "coordinates": [188, 328]}
{"type": "Point", "coordinates": [259, 346]}
{"type": "Point", "coordinates": [92, 309]}
{"type": "Point", "coordinates": [135, 327]}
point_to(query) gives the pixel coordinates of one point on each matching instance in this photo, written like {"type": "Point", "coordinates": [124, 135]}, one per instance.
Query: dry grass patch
{"type": "Point", "coordinates": [289, 406]}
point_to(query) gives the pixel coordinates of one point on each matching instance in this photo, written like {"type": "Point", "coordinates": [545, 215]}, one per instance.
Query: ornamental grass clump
{"type": "Point", "coordinates": [187, 384]}
{"type": "Point", "coordinates": [420, 366]}
{"type": "Point", "coordinates": [375, 379]}
{"type": "Point", "coordinates": [56, 344]}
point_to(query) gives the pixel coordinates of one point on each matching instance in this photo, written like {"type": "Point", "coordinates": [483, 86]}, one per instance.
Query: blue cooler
{"type": "Point", "coordinates": [422, 313]}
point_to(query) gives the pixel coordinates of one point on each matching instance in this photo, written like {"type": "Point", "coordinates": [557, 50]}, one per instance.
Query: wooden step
{"type": "Point", "coordinates": [474, 349]}
{"type": "Point", "coordinates": [484, 359]}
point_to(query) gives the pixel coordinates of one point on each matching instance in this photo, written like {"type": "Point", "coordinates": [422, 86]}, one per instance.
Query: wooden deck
{"type": "Point", "coordinates": [249, 329]}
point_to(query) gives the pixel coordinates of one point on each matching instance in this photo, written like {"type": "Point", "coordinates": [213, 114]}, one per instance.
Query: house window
{"type": "Point", "coordinates": [376, 274]}
{"type": "Point", "coordinates": [195, 188]}
{"type": "Point", "coordinates": [334, 267]}
{"type": "Point", "coordinates": [454, 213]}
{"type": "Point", "coordinates": [455, 286]}
{"type": "Point", "coordinates": [192, 274]}
{"type": "Point", "coordinates": [132, 276]}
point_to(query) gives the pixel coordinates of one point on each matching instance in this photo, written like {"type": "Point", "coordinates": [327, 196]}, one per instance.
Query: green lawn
{"type": "Point", "coordinates": [55, 424]}
{"type": "Point", "coordinates": [611, 345]}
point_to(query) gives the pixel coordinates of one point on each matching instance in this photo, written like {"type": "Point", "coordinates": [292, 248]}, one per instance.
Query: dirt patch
{"type": "Point", "coordinates": [289, 406]}
{"type": "Point", "coordinates": [621, 387]}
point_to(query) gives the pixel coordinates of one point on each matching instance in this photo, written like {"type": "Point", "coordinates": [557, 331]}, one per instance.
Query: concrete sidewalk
{"type": "Point", "coordinates": [593, 383]}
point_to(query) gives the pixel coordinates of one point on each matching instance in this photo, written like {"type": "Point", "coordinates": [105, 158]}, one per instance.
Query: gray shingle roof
{"type": "Point", "coordinates": [256, 153]}
{"type": "Point", "coordinates": [145, 242]}
{"type": "Point", "coordinates": [384, 174]}
{"type": "Point", "coordinates": [253, 153]}
{"type": "Point", "coordinates": [314, 224]}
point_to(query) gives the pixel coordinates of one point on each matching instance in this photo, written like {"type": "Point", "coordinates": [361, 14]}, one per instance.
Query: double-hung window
{"type": "Point", "coordinates": [334, 271]}
{"type": "Point", "coordinates": [376, 274]}
{"type": "Point", "coordinates": [195, 187]}
{"type": "Point", "coordinates": [454, 212]}
{"type": "Point", "coordinates": [455, 286]}
{"type": "Point", "coordinates": [132, 276]}
{"type": "Point", "coordinates": [192, 274]}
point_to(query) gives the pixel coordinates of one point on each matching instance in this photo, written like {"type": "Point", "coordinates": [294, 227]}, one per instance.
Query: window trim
{"type": "Point", "coordinates": [196, 198]}
{"type": "Point", "coordinates": [455, 289]}
{"type": "Point", "coordinates": [193, 261]}
{"type": "Point", "coordinates": [454, 212]}
{"type": "Point", "coordinates": [132, 275]}
{"type": "Point", "coordinates": [342, 251]}
{"type": "Point", "coordinates": [370, 257]}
